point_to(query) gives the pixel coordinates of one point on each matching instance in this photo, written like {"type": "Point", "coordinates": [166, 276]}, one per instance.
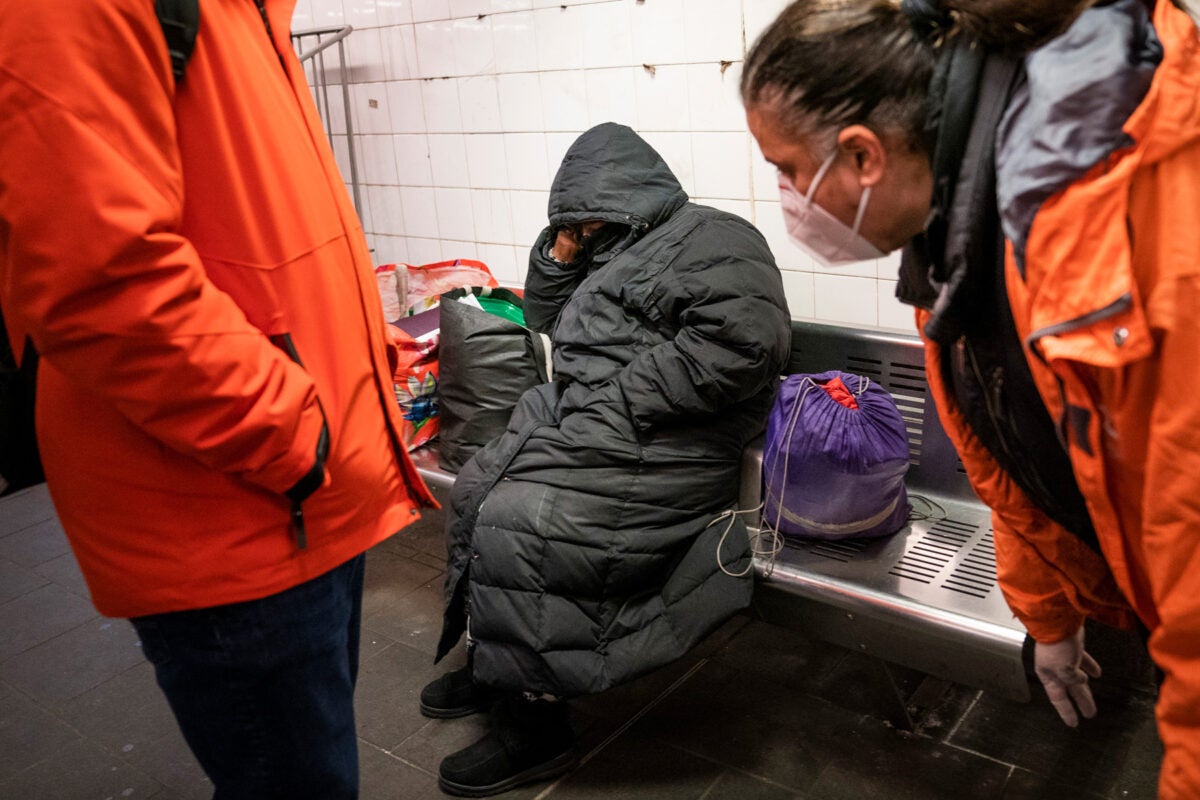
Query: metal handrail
{"type": "Point", "coordinates": [319, 82]}
{"type": "Point", "coordinates": [337, 35]}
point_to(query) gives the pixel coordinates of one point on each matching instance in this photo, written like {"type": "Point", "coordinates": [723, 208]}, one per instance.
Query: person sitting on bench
{"type": "Point", "coordinates": [586, 543]}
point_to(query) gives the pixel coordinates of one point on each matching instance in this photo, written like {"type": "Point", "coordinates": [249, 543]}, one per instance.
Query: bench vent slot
{"type": "Point", "coordinates": [907, 384]}
{"type": "Point", "coordinates": [912, 409]}
{"type": "Point", "coordinates": [907, 377]}
{"type": "Point", "coordinates": [976, 573]}
{"type": "Point", "coordinates": [926, 559]}
{"type": "Point", "coordinates": [836, 551]}
{"type": "Point", "coordinates": [871, 367]}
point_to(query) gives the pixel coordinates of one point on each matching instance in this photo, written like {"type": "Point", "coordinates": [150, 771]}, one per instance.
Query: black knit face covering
{"type": "Point", "coordinates": [601, 241]}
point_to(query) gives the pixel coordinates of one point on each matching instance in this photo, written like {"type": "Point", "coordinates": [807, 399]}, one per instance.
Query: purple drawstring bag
{"type": "Point", "coordinates": [835, 459]}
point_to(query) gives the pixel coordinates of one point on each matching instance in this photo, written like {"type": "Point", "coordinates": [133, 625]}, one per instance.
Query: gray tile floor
{"type": "Point", "coordinates": [755, 713]}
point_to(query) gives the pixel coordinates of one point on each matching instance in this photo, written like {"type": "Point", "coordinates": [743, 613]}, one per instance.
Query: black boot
{"type": "Point", "coordinates": [455, 694]}
{"type": "Point", "coordinates": [529, 741]}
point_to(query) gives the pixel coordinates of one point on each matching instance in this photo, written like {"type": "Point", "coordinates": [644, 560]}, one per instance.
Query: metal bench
{"type": "Point", "coordinates": [926, 597]}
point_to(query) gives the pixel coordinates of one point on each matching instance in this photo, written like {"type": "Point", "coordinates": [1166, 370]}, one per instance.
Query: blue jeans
{"type": "Point", "coordinates": [264, 690]}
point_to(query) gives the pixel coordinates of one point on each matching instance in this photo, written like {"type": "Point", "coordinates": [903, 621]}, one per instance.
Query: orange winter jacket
{"type": "Point", "coordinates": [188, 265]}
{"type": "Point", "coordinates": [1109, 306]}
{"type": "Point", "coordinates": [1051, 580]}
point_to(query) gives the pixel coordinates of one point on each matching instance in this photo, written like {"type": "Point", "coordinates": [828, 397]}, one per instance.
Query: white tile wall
{"type": "Point", "coordinates": [378, 162]}
{"type": "Point", "coordinates": [799, 289]}
{"type": "Point", "coordinates": [844, 298]}
{"type": "Point", "coordinates": [607, 35]}
{"type": "Point", "coordinates": [479, 99]}
{"type": "Point", "coordinates": [412, 160]}
{"type": "Point", "coordinates": [399, 45]}
{"type": "Point", "coordinates": [326, 12]}
{"type": "Point", "coordinates": [662, 98]}
{"type": "Point", "coordinates": [456, 218]}
{"type": "Point", "coordinates": [657, 33]}
{"type": "Point", "coordinates": [676, 150]}
{"type": "Point", "coordinates": [371, 100]}
{"type": "Point", "coordinates": [394, 12]}
{"type": "Point", "coordinates": [443, 114]}
{"type": "Point", "coordinates": [302, 16]}
{"type": "Point", "coordinates": [463, 110]}
{"type": "Point", "coordinates": [448, 158]}
{"type": "Point", "coordinates": [368, 64]}
{"type": "Point", "coordinates": [469, 8]}
{"type": "Point", "coordinates": [712, 97]}
{"type": "Point", "coordinates": [520, 98]}
{"type": "Point", "coordinates": [502, 261]}
{"type": "Point", "coordinates": [387, 211]}
{"type": "Point", "coordinates": [424, 10]}
{"type": "Point", "coordinates": [493, 216]}
{"type": "Point", "coordinates": [474, 53]}
{"type": "Point", "coordinates": [500, 6]}
{"type": "Point", "coordinates": [420, 214]}
{"type": "Point", "coordinates": [487, 162]}
{"type": "Point", "coordinates": [435, 49]}
{"type": "Point", "coordinates": [720, 161]}
{"type": "Point", "coordinates": [515, 42]}
{"type": "Point", "coordinates": [564, 99]}
{"type": "Point", "coordinates": [892, 313]}
{"type": "Point", "coordinates": [611, 96]}
{"type": "Point", "coordinates": [405, 107]}
{"type": "Point", "coordinates": [557, 145]}
{"type": "Point", "coordinates": [712, 30]}
{"type": "Point", "coordinates": [528, 166]}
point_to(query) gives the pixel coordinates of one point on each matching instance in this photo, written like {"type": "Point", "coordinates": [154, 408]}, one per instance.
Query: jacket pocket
{"type": "Point", "coordinates": [312, 480]}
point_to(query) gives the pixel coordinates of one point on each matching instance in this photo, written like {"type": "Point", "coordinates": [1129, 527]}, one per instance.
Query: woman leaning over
{"type": "Point", "coordinates": [1040, 165]}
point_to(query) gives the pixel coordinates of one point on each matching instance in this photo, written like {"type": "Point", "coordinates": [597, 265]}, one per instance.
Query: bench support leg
{"type": "Point", "coordinates": [897, 712]}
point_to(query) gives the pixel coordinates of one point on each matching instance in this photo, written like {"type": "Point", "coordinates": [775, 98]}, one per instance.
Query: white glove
{"type": "Point", "coordinates": [1064, 668]}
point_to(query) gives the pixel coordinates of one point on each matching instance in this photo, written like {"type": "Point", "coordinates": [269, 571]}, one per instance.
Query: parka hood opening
{"type": "Point", "coordinates": [611, 174]}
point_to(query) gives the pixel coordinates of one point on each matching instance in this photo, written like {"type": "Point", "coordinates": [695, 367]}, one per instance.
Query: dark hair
{"type": "Point", "coordinates": [1014, 25]}
{"type": "Point", "coordinates": [826, 64]}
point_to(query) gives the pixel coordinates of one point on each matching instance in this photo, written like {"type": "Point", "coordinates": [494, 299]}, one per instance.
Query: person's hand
{"type": "Point", "coordinates": [1064, 668]}
{"type": "Point", "coordinates": [566, 246]}
{"type": "Point", "coordinates": [570, 239]}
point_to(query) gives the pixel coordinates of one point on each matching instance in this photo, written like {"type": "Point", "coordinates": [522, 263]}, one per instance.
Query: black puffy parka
{"type": "Point", "coordinates": [584, 541]}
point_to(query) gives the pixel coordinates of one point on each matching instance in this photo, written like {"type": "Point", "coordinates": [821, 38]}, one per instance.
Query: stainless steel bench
{"type": "Point", "coordinates": [926, 597]}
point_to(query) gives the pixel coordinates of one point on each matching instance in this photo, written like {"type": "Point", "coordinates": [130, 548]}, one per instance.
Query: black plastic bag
{"type": "Point", "coordinates": [486, 363]}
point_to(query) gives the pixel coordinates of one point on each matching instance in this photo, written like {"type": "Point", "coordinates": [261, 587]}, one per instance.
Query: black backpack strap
{"type": "Point", "coordinates": [180, 20]}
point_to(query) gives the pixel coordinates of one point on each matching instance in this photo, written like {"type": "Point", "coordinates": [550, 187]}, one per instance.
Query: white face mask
{"type": "Point", "coordinates": [825, 237]}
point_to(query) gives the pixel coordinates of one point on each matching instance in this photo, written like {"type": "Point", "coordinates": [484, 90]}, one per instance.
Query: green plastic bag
{"type": "Point", "coordinates": [503, 308]}
{"type": "Point", "coordinates": [487, 360]}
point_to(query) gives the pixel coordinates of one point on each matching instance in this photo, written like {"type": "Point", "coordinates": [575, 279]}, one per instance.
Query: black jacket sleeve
{"type": "Point", "coordinates": [734, 329]}
{"type": "Point", "coordinates": [549, 284]}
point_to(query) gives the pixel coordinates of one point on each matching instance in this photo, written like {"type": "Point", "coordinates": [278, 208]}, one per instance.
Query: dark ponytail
{"type": "Point", "coordinates": [1014, 26]}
